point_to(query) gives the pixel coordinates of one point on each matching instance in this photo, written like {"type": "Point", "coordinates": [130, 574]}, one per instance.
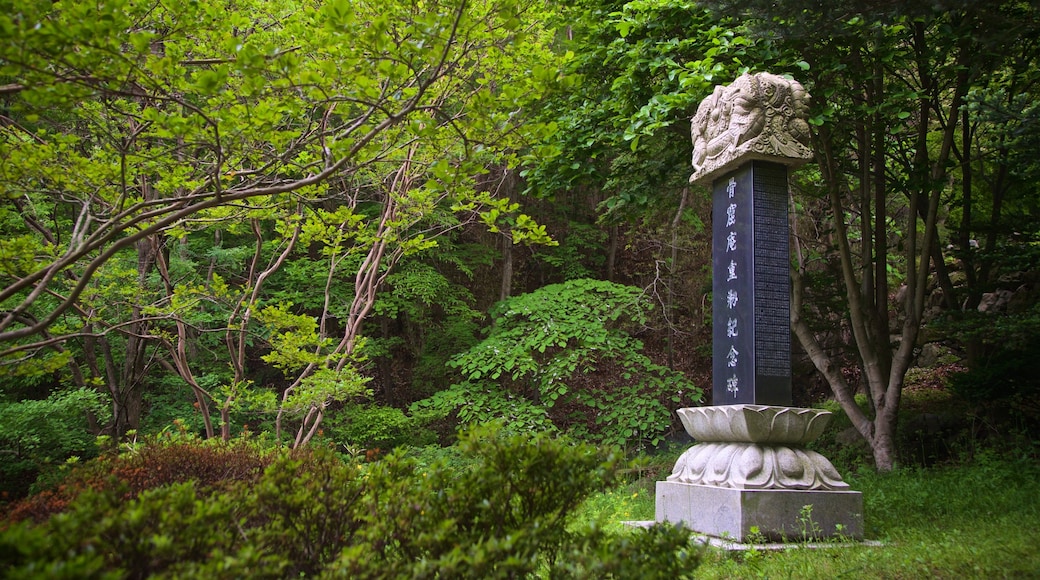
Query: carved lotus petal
{"type": "Point", "coordinates": [752, 469]}
{"type": "Point", "coordinates": [753, 466]}
{"type": "Point", "coordinates": [754, 424]}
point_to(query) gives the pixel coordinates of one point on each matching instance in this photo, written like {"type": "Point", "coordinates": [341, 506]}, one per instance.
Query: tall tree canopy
{"type": "Point", "coordinates": [919, 110]}
{"type": "Point", "coordinates": [215, 196]}
{"type": "Point", "coordinates": [901, 139]}
{"type": "Point", "coordinates": [161, 161]}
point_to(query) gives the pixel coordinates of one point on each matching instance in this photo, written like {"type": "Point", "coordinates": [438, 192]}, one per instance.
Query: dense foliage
{"type": "Point", "coordinates": [565, 357]}
{"type": "Point", "coordinates": [364, 224]}
{"type": "Point", "coordinates": [198, 188]}
{"type": "Point", "coordinates": [260, 260]}
{"type": "Point", "coordinates": [506, 515]}
{"type": "Point", "coordinates": [40, 433]}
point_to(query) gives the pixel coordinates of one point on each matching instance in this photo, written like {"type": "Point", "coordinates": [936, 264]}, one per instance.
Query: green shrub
{"type": "Point", "coordinates": [376, 427]}
{"type": "Point", "coordinates": [306, 508]}
{"type": "Point", "coordinates": [647, 554]}
{"type": "Point", "coordinates": [565, 357]}
{"type": "Point", "coordinates": [449, 458]}
{"type": "Point", "coordinates": [507, 514]}
{"type": "Point", "coordinates": [37, 436]}
{"type": "Point", "coordinates": [504, 516]}
{"type": "Point", "coordinates": [172, 530]}
{"type": "Point", "coordinates": [149, 465]}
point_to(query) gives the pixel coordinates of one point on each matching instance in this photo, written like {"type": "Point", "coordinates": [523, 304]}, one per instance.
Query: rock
{"type": "Point", "coordinates": [932, 313]}
{"type": "Point", "coordinates": [900, 297]}
{"type": "Point", "coordinates": [995, 301]}
{"type": "Point", "coordinates": [1010, 279]}
{"type": "Point", "coordinates": [934, 299]}
{"type": "Point", "coordinates": [930, 354]}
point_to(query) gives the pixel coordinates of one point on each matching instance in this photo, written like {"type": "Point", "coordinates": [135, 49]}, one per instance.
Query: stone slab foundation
{"type": "Point", "coordinates": [761, 514]}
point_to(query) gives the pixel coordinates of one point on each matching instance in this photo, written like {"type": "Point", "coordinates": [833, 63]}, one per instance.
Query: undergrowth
{"type": "Point", "coordinates": [163, 509]}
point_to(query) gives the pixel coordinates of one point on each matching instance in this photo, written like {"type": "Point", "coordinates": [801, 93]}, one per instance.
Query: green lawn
{"type": "Point", "coordinates": [979, 520]}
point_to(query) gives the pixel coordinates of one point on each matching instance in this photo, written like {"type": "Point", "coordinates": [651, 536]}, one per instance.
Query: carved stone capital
{"type": "Point", "coordinates": [758, 117]}
{"type": "Point", "coordinates": [754, 424]}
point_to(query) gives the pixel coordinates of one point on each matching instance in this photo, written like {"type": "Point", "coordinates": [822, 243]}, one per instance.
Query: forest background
{"type": "Point", "coordinates": [362, 226]}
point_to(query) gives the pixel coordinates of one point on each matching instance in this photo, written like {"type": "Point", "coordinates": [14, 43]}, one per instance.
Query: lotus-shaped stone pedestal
{"type": "Point", "coordinates": [749, 474]}
{"type": "Point", "coordinates": [755, 447]}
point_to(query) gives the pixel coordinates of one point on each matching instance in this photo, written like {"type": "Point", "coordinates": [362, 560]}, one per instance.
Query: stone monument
{"type": "Point", "coordinates": [749, 474]}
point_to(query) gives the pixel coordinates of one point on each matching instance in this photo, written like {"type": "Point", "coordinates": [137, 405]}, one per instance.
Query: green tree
{"type": "Point", "coordinates": [131, 132]}
{"type": "Point", "coordinates": [638, 71]}
{"type": "Point", "coordinates": [890, 84]}
{"type": "Point", "coordinates": [617, 156]}
{"type": "Point", "coordinates": [920, 115]}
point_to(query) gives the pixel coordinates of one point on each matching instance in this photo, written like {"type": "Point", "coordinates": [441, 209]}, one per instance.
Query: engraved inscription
{"type": "Point", "coordinates": [751, 283]}
{"type": "Point", "coordinates": [772, 273]}
{"type": "Point", "coordinates": [733, 385]}
{"type": "Point", "coordinates": [734, 362]}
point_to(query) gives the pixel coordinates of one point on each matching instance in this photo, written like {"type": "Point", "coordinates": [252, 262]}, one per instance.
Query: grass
{"type": "Point", "coordinates": [608, 510]}
{"type": "Point", "coordinates": [978, 520]}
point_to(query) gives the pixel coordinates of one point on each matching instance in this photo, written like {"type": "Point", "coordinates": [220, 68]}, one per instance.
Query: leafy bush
{"type": "Point", "coordinates": [506, 515]}
{"type": "Point", "coordinates": [173, 530]}
{"type": "Point", "coordinates": [435, 456]}
{"type": "Point", "coordinates": [150, 465]}
{"type": "Point", "coordinates": [1005, 350]}
{"type": "Point", "coordinates": [648, 554]}
{"type": "Point", "coordinates": [564, 356]}
{"type": "Point", "coordinates": [305, 509]}
{"type": "Point", "coordinates": [39, 435]}
{"type": "Point", "coordinates": [376, 427]}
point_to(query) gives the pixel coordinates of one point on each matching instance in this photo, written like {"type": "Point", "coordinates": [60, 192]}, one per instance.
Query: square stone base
{"type": "Point", "coordinates": [776, 514]}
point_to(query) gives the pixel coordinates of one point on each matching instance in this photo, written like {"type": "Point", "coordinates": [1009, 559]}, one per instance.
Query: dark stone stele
{"type": "Point", "coordinates": [762, 285]}
{"type": "Point", "coordinates": [749, 474]}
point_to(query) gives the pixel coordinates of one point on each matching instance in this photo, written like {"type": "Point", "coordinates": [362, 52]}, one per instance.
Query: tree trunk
{"type": "Point", "coordinates": [506, 289]}
{"type": "Point", "coordinates": [379, 261]}
{"type": "Point", "coordinates": [880, 369]}
{"type": "Point", "coordinates": [883, 447]}
{"type": "Point", "coordinates": [673, 279]}
{"type": "Point", "coordinates": [612, 250]}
